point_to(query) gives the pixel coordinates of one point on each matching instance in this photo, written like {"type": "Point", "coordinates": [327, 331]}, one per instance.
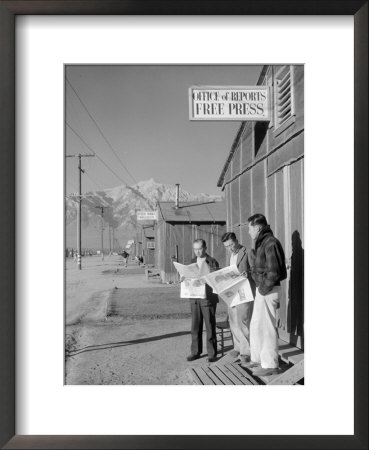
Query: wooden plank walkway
{"type": "Point", "coordinates": [228, 372]}
{"type": "Point", "coordinates": [289, 353]}
{"type": "Point", "coordinates": [291, 376]}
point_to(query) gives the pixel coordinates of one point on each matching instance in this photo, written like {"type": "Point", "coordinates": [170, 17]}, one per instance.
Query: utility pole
{"type": "Point", "coordinates": [102, 228]}
{"type": "Point", "coordinates": [79, 211]}
{"type": "Point", "coordinates": [137, 246]}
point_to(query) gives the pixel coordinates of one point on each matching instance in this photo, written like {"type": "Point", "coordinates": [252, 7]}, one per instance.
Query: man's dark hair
{"type": "Point", "coordinates": [196, 241]}
{"type": "Point", "coordinates": [257, 219]}
{"type": "Point", "coordinates": [228, 236]}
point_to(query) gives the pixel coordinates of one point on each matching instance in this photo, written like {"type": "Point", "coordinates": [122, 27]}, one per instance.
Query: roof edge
{"type": "Point", "coordinates": [238, 135]}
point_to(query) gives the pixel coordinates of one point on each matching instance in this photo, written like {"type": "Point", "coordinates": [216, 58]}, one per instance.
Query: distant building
{"type": "Point", "coordinates": [178, 227]}
{"type": "Point", "coordinates": [148, 244]}
{"type": "Point", "coordinates": [264, 173]}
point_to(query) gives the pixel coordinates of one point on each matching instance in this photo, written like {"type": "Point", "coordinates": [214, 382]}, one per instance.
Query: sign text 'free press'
{"type": "Point", "coordinates": [229, 103]}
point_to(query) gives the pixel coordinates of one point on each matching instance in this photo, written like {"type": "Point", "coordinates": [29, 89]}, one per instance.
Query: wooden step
{"type": "Point", "coordinates": [291, 376]}
{"type": "Point", "coordinates": [229, 372]}
{"type": "Point", "coordinates": [289, 353]}
{"type": "Point", "coordinates": [221, 374]}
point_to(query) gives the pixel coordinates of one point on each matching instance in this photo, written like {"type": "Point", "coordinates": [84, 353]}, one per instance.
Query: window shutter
{"type": "Point", "coordinates": [284, 96]}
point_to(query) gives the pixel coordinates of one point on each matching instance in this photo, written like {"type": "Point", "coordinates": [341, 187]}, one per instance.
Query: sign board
{"type": "Point", "coordinates": [147, 215]}
{"type": "Point", "coordinates": [229, 103]}
{"type": "Point", "coordinates": [150, 244]}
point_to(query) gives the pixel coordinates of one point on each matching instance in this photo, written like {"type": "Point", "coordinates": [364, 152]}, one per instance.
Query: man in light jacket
{"type": "Point", "coordinates": [239, 316]}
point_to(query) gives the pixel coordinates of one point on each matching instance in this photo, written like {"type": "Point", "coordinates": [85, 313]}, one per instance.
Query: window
{"type": "Point", "coordinates": [283, 100]}
{"type": "Point", "coordinates": [150, 244]}
{"type": "Point", "coordinates": [260, 133]}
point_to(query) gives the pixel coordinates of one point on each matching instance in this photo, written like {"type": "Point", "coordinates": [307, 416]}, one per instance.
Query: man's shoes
{"type": "Point", "coordinates": [212, 359]}
{"type": "Point", "coordinates": [234, 353]}
{"type": "Point", "coordinates": [260, 372]}
{"type": "Point", "coordinates": [244, 359]}
{"type": "Point", "coordinates": [249, 364]}
{"type": "Point", "coordinates": [193, 357]}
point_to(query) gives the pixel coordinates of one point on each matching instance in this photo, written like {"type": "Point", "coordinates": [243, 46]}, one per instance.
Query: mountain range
{"type": "Point", "coordinates": [119, 206]}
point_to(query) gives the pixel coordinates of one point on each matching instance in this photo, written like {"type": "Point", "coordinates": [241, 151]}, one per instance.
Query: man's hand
{"type": "Point", "coordinates": [181, 279]}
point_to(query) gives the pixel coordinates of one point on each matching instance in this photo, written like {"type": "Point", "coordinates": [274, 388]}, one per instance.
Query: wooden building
{"type": "Point", "coordinates": [179, 226]}
{"type": "Point", "coordinates": [148, 244]}
{"type": "Point", "coordinates": [264, 174]}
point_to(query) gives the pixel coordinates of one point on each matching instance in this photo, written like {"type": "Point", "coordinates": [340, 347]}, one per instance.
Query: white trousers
{"type": "Point", "coordinates": [239, 318]}
{"type": "Point", "coordinates": [263, 331]}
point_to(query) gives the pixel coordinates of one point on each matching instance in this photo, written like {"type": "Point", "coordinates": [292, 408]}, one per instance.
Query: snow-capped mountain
{"type": "Point", "coordinates": [120, 206]}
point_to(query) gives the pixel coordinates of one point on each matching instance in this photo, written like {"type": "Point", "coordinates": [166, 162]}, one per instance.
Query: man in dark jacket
{"type": "Point", "coordinates": [268, 270]}
{"type": "Point", "coordinates": [125, 257]}
{"type": "Point", "coordinates": [203, 309]}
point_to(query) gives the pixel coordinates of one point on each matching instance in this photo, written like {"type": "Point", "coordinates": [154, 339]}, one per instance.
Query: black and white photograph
{"type": "Point", "coordinates": [163, 226]}
{"type": "Point", "coordinates": [184, 224]}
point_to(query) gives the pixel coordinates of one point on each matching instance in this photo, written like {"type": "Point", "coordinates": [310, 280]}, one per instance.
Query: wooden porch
{"type": "Point", "coordinates": [227, 372]}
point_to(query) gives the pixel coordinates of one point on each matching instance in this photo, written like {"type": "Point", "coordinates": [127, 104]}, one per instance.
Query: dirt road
{"type": "Point", "coordinates": [124, 329]}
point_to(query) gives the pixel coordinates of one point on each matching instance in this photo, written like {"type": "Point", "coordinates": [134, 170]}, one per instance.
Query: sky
{"type": "Point", "coordinates": [136, 120]}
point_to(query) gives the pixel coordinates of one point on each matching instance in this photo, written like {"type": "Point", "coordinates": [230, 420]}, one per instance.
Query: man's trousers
{"type": "Point", "coordinates": [239, 318]}
{"type": "Point", "coordinates": [200, 314]}
{"type": "Point", "coordinates": [263, 331]}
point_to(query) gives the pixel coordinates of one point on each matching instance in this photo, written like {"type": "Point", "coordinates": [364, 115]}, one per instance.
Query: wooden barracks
{"type": "Point", "coordinates": [264, 173]}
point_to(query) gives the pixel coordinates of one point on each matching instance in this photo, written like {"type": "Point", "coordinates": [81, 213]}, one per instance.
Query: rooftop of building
{"type": "Point", "coordinates": [193, 212]}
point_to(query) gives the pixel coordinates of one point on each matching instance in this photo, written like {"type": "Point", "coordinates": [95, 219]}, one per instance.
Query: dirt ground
{"type": "Point", "coordinates": [124, 329]}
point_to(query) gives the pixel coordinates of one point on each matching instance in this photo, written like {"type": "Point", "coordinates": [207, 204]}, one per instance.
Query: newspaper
{"type": "Point", "coordinates": [190, 271]}
{"type": "Point", "coordinates": [232, 287]}
{"type": "Point", "coordinates": [193, 285]}
{"type": "Point", "coordinates": [193, 288]}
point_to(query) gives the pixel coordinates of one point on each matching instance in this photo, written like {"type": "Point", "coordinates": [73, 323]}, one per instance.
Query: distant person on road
{"type": "Point", "coordinates": [268, 270]}
{"type": "Point", "coordinates": [139, 260]}
{"type": "Point", "coordinates": [239, 316]}
{"type": "Point", "coordinates": [203, 309]}
{"type": "Point", "coordinates": [125, 257]}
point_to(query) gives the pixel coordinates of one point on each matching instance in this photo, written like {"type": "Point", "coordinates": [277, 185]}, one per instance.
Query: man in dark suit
{"type": "Point", "coordinates": [203, 309]}
{"type": "Point", "coordinates": [239, 316]}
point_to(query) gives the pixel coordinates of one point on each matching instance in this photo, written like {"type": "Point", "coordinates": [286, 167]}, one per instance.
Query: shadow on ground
{"type": "Point", "coordinates": [91, 348]}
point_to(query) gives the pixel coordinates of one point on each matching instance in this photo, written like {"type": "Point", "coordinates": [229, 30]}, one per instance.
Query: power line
{"type": "Point", "coordinates": [97, 184]}
{"type": "Point", "coordinates": [102, 134]}
{"type": "Point", "coordinates": [137, 192]}
{"type": "Point", "coordinates": [79, 210]}
{"type": "Point", "coordinates": [89, 195]}
{"type": "Point", "coordinates": [94, 182]}
{"type": "Point", "coordinates": [97, 156]}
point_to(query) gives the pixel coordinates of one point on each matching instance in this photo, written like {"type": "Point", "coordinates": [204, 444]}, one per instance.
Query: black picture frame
{"type": "Point", "coordinates": [8, 11]}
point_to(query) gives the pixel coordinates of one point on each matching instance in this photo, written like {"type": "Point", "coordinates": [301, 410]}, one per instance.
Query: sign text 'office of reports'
{"type": "Point", "coordinates": [229, 103]}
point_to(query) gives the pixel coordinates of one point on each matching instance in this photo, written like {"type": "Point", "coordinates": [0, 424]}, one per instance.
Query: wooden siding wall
{"type": "Point", "coordinates": [266, 175]}
{"type": "Point", "coordinates": [172, 239]}
{"type": "Point", "coordinates": [148, 253]}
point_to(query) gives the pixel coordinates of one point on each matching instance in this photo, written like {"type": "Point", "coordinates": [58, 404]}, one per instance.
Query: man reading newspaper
{"type": "Point", "coordinates": [203, 301]}
{"type": "Point", "coordinates": [239, 316]}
